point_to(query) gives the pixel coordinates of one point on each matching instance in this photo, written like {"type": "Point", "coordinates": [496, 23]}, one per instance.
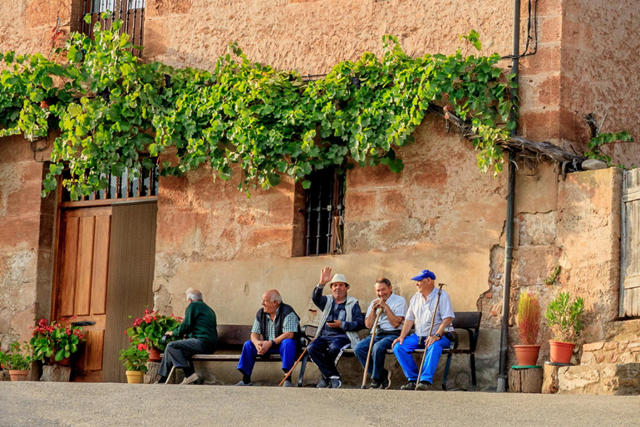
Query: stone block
{"type": "Point", "coordinates": [541, 191]}
{"type": "Point", "coordinates": [55, 373]}
{"type": "Point", "coordinates": [366, 177]}
{"type": "Point", "coordinates": [151, 375]}
{"type": "Point", "coordinates": [602, 379]}
{"type": "Point", "coordinates": [538, 229]}
{"type": "Point", "coordinates": [550, 379]}
{"type": "Point", "coordinates": [593, 346]}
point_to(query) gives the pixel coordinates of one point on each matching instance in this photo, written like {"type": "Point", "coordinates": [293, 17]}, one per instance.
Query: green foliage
{"type": "Point", "coordinates": [565, 317]}
{"type": "Point", "coordinates": [150, 328]}
{"type": "Point", "coordinates": [17, 358]}
{"type": "Point", "coordinates": [593, 148]}
{"type": "Point", "coordinates": [551, 279]}
{"type": "Point", "coordinates": [55, 339]}
{"type": "Point", "coordinates": [135, 357]}
{"type": "Point", "coordinates": [111, 108]}
{"type": "Point", "coordinates": [528, 318]}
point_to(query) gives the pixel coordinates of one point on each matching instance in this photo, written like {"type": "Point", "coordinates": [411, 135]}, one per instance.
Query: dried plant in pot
{"type": "Point", "coordinates": [564, 317]}
{"type": "Point", "coordinates": [528, 324]}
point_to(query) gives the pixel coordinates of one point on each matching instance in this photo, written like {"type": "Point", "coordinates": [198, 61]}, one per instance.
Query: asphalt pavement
{"type": "Point", "coordinates": [97, 405]}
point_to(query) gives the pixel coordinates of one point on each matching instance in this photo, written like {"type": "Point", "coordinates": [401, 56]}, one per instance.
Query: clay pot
{"type": "Point", "coordinates": [527, 355]}
{"type": "Point", "coordinates": [135, 377]}
{"type": "Point", "coordinates": [18, 375]}
{"type": "Point", "coordinates": [64, 362]}
{"type": "Point", "coordinates": [154, 354]}
{"type": "Point", "coordinates": [561, 352]}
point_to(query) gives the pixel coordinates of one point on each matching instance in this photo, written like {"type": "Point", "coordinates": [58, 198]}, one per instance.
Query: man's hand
{"type": "Point", "coordinates": [430, 340]}
{"type": "Point", "coordinates": [335, 324]}
{"type": "Point", "coordinates": [170, 333]}
{"type": "Point", "coordinates": [325, 275]}
{"type": "Point", "coordinates": [263, 347]}
{"type": "Point", "coordinates": [398, 340]}
{"type": "Point", "coordinates": [379, 303]}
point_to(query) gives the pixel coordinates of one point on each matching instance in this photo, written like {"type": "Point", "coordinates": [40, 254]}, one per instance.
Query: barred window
{"type": "Point", "coordinates": [131, 12]}
{"type": "Point", "coordinates": [325, 212]}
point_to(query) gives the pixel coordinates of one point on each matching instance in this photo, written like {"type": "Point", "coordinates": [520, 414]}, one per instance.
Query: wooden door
{"type": "Point", "coordinates": [81, 291]}
{"type": "Point", "coordinates": [630, 259]}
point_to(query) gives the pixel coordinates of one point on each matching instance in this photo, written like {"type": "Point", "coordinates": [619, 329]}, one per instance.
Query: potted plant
{"type": "Point", "coordinates": [55, 342]}
{"type": "Point", "coordinates": [528, 320]}
{"type": "Point", "coordinates": [134, 360]}
{"type": "Point", "coordinates": [565, 319]}
{"type": "Point", "coordinates": [17, 361]}
{"type": "Point", "coordinates": [149, 330]}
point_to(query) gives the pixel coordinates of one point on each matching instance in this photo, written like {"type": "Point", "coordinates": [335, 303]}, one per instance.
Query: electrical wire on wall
{"type": "Point", "coordinates": [532, 31]}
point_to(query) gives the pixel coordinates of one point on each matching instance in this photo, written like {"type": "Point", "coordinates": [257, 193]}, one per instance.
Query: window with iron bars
{"type": "Point", "coordinates": [132, 184]}
{"type": "Point", "coordinates": [324, 212]}
{"type": "Point", "coordinates": [130, 12]}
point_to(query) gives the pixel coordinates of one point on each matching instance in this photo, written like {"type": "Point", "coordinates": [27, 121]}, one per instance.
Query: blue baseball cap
{"type": "Point", "coordinates": [424, 274]}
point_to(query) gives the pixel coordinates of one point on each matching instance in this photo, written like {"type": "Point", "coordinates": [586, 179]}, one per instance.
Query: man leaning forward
{"type": "Point", "coordinates": [420, 313]}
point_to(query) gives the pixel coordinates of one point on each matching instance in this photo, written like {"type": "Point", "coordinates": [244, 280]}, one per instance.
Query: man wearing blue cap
{"type": "Point", "coordinates": [422, 313]}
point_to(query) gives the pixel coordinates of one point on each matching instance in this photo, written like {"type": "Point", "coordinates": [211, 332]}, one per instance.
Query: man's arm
{"type": "Point", "coordinates": [187, 323]}
{"type": "Point", "coordinates": [391, 316]}
{"type": "Point", "coordinates": [289, 328]}
{"type": "Point", "coordinates": [357, 320]}
{"type": "Point", "coordinates": [443, 327]}
{"type": "Point", "coordinates": [408, 324]}
{"type": "Point", "coordinates": [371, 315]}
{"type": "Point", "coordinates": [316, 296]}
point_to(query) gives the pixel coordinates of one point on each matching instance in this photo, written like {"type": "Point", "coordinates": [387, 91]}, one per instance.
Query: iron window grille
{"type": "Point", "coordinates": [130, 12]}
{"type": "Point", "coordinates": [132, 184]}
{"type": "Point", "coordinates": [325, 212]}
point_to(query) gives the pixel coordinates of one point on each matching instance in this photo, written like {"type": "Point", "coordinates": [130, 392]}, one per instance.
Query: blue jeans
{"type": "Point", "coordinates": [324, 351]}
{"type": "Point", "coordinates": [405, 358]}
{"type": "Point", "coordinates": [287, 349]}
{"type": "Point", "coordinates": [381, 344]}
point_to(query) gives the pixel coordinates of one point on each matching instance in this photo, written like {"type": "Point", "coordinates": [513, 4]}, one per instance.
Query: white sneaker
{"type": "Point", "coordinates": [190, 379]}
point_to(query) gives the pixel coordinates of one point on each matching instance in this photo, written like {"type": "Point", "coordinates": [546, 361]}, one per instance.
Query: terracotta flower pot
{"type": "Point", "coordinates": [18, 375]}
{"type": "Point", "coordinates": [154, 354]}
{"type": "Point", "coordinates": [527, 355]}
{"type": "Point", "coordinates": [64, 362]}
{"type": "Point", "coordinates": [561, 352]}
{"type": "Point", "coordinates": [135, 377]}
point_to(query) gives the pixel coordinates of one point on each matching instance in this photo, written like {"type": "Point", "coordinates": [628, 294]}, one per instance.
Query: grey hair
{"type": "Point", "coordinates": [275, 296]}
{"type": "Point", "coordinates": [194, 295]}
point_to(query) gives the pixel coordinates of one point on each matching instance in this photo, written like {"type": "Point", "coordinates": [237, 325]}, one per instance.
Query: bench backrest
{"type": "Point", "coordinates": [467, 319]}
{"type": "Point", "coordinates": [231, 336]}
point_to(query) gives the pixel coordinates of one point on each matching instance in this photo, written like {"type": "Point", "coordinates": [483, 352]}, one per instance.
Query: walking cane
{"type": "Point", "coordinates": [433, 318]}
{"type": "Point", "coordinates": [373, 337]}
{"type": "Point", "coordinates": [294, 366]}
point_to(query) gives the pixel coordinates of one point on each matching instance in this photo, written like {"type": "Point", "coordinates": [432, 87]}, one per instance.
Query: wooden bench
{"type": "Point", "coordinates": [231, 338]}
{"type": "Point", "coordinates": [466, 320]}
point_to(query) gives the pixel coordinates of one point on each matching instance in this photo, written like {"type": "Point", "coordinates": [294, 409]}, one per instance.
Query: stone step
{"type": "Point", "coordinates": [601, 379]}
{"type": "Point", "coordinates": [625, 351]}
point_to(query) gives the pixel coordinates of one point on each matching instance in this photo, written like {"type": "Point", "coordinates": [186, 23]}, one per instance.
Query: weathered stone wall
{"type": "Point", "coordinates": [26, 241]}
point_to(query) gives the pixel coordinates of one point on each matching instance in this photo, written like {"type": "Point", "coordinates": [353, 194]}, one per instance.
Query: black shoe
{"type": "Point", "coordinates": [324, 383]}
{"type": "Point", "coordinates": [423, 385]}
{"type": "Point", "coordinates": [411, 385]}
{"type": "Point", "coordinates": [375, 384]}
{"type": "Point", "coordinates": [386, 382]}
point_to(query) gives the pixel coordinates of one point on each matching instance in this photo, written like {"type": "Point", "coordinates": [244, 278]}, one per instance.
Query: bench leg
{"type": "Point", "coordinates": [472, 361]}
{"type": "Point", "coordinates": [173, 368]}
{"type": "Point", "coordinates": [303, 366]}
{"type": "Point", "coordinates": [446, 372]}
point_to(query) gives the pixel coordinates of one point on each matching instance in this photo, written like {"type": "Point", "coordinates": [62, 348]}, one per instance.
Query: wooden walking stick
{"type": "Point", "coordinates": [294, 366]}
{"type": "Point", "coordinates": [373, 337]}
{"type": "Point", "coordinates": [433, 318]}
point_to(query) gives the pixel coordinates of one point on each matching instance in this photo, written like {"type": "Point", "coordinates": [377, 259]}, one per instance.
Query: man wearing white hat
{"type": "Point", "coordinates": [337, 330]}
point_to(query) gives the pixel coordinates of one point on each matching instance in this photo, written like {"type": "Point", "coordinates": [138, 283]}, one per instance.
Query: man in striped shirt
{"type": "Point", "coordinates": [275, 330]}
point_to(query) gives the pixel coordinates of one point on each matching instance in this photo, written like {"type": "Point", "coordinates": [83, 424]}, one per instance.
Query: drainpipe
{"type": "Point", "coordinates": [511, 188]}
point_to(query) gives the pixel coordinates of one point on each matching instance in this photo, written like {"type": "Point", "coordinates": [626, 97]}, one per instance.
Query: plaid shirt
{"type": "Point", "coordinates": [290, 324]}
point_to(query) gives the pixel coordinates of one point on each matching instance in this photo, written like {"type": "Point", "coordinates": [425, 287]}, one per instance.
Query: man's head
{"type": "Point", "coordinates": [193, 295]}
{"type": "Point", "coordinates": [339, 287]}
{"type": "Point", "coordinates": [383, 288]}
{"type": "Point", "coordinates": [271, 300]}
{"type": "Point", "coordinates": [425, 281]}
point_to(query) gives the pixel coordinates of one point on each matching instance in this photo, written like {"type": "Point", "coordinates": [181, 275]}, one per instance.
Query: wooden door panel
{"type": "Point", "coordinates": [100, 265]}
{"type": "Point", "coordinates": [68, 255]}
{"type": "Point", "coordinates": [630, 242]}
{"type": "Point", "coordinates": [85, 265]}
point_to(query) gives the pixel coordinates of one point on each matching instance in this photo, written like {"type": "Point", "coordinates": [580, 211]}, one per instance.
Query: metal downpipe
{"type": "Point", "coordinates": [511, 183]}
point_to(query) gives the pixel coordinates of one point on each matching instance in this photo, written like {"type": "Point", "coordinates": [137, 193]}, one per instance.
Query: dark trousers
{"type": "Point", "coordinates": [178, 354]}
{"type": "Point", "coordinates": [288, 349]}
{"type": "Point", "coordinates": [324, 351]}
{"type": "Point", "coordinates": [381, 344]}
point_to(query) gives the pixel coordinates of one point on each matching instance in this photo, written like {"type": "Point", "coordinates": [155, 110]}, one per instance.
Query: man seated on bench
{"type": "Point", "coordinates": [274, 330]}
{"type": "Point", "coordinates": [393, 308]}
{"type": "Point", "coordinates": [421, 314]}
{"type": "Point", "coordinates": [341, 319]}
{"type": "Point", "coordinates": [200, 328]}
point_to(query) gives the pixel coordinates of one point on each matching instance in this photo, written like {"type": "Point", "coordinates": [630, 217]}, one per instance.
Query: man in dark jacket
{"type": "Point", "coordinates": [199, 330]}
{"type": "Point", "coordinates": [274, 331]}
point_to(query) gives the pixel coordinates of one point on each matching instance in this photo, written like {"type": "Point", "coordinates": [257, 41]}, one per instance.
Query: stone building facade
{"type": "Point", "coordinates": [439, 213]}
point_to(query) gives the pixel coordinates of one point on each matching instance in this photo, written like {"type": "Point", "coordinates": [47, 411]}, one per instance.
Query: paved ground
{"type": "Point", "coordinates": [73, 404]}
